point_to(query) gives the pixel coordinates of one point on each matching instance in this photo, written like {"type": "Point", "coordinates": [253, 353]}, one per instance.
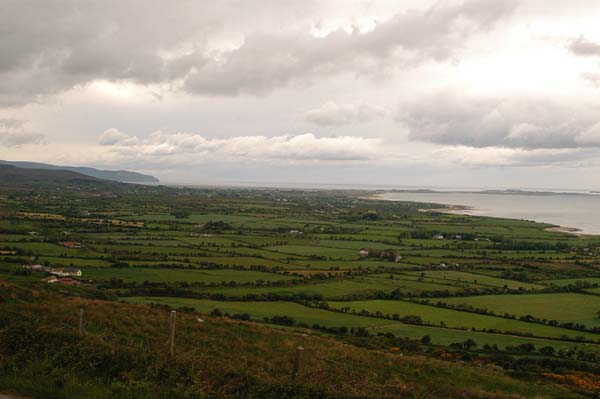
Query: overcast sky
{"type": "Point", "coordinates": [473, 93]}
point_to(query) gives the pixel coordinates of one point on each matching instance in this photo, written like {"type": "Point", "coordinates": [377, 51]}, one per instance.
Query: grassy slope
{"type": "Point", "coordinates": [123, 355]}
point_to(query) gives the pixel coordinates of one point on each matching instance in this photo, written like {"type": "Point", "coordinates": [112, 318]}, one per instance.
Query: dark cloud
{"type": "Point", "coordinates": [264, 62]}
{"type": "Point", "coordinates": [55, 45]}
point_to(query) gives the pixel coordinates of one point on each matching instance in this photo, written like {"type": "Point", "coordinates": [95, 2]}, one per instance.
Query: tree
{"type": "Point", "coordinates": [426, 339]}
{"type": "Point", "coordinates": [547, 351]}
{"type": "Point", "coordinates": [469, 344]}
{"type": "Point", "coordinates": [180, 214]}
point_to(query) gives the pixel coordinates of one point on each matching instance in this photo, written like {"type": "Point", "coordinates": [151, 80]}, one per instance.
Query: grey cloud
{"type": "Point", "coordinates": [570, 157]}
{"type": "Point", "coordinates": [584, 47]}
{"type": "Point", "coordinates": [284, 57]}
{"type": "Point", "coordinates": [452, 119]}
{"type": "Point", "coordinates": [334, 114]}
{"type": "Point", "coordinates": [13, 134]}
{"type": "Point", "coordinates": [114, 136]}
{"type": "Point", "coordinates": [54, 45]}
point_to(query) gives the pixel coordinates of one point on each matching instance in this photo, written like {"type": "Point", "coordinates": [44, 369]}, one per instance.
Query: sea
{"type": "Point", "coordinates": [576, 210]}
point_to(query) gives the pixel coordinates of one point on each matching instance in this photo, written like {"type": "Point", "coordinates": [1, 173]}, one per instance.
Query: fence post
{"type": "Point", "coordinates": [297, 362]}
{"type": "Point", "coordinates": [172, 333]}
{"type": "Point", "coordinates": [81, 321]}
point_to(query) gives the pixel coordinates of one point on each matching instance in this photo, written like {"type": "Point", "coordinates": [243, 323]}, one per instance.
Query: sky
{"type": "Point", "coordinates": [465, 93]}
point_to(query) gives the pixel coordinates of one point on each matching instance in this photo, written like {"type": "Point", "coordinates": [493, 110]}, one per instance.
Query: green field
{"type": "Point", "coordinates": [575, 308]}
{"type": "Point", "coordinates": [473, 278]}
{"type": "Point", "coordinates": [572, 281]}
{"type": "Point", "coordinates": [260, 310]}
{"type": "Point", "coordinates": [342, 288]}
{"type": "Point", "coordinates": [459, 319]}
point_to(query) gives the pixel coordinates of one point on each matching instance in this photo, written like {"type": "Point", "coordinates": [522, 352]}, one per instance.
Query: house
{"type": "Point", "coordinates": [51, 280]}
{"type": "Point", "coordinates": [71, 244]}
{"type": "Point", "coordinates": [72, 271]}
{"type": "Point", "coordinates": [57, 271]}
{"type": "Point", "coordinates": [65, 272]}
{"type": "Point", "coordinates": [398, 258]}
{"type": "Point", "coordinates": [438, 237]}
{"type": "Point", "coordinates": [363, 252]}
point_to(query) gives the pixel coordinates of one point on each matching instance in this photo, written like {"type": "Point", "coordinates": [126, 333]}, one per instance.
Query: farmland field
{"type": "Point", "coordinates": [139, 275]}
{"type": "Point", "coordinates": [370, 273]}
{"type": "Point", "coordinates": [575, 308]}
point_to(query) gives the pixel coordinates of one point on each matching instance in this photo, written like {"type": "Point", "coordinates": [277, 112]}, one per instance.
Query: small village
{"type": "Point", "coordinates": [60, 275]}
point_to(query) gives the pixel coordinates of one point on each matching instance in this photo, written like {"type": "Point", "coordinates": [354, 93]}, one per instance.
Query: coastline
{"type": "Point", "coordinates": [567, 230]}
{"type": "Point", "coordinates": [470, 210]}
{"type": "Point", "coordinates": [452, 209]}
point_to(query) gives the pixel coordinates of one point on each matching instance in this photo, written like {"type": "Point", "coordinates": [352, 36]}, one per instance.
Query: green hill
{"type": "Point", "coordinates": [20, 178]}
{"type": "Point", "coordinates": [122, 176]}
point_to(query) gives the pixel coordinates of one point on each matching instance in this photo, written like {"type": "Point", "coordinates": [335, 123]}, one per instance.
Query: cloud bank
{"type": "Point", "coordinates": [451, 118]}
{"type": "Point", "coordinates": [304, 147]}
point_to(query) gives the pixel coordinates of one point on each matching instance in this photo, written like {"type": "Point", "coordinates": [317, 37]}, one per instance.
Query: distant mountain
{"type": "Point", "coordinates": [122, 176]}
{"type": "Point", "coordinates": [22, 178]}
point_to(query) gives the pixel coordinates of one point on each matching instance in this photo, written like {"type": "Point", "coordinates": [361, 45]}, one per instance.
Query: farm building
{"type": "Point", "coordinates": [71, 244]}
{"type": "Point", "coordinates": [71, 271]}
{"type": "Point", "coordinates": [68, 281]}
{"type": "Point", "coordinates": [65, 272]}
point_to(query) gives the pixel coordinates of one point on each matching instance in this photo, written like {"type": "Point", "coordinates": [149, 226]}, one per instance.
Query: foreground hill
{"type": "Point", "coordinates": [122, 176]}
{"type": "Point", "coordinates": [122, 353]}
